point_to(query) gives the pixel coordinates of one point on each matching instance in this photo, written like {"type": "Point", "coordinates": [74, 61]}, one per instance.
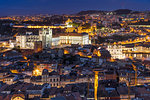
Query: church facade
{"type": "Point", "coordinates": [47, 39]}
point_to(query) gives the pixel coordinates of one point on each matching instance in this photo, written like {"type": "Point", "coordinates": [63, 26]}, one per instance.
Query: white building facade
{"type": "Point", "coordinates": [71, 38]}
{"type": "Point", "coordinates": [116, 51]}
{"type": "Point", "coordinates": [45, 35]}
{"type": "Point", "coordinates": [27, 41]}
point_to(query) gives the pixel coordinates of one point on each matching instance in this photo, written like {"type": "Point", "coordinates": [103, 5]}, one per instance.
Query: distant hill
{"type": "Point", "coordinates": [123, 11]}
{"type": "Point", "coordinates": [117, 12]}
{"type": "Point", "coordinates": [90, 12]}
{"type": "Point", "coordinates": [135, 12]}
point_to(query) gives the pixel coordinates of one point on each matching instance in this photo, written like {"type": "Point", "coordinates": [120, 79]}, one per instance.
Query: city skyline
{"type": "Point", "coordinates": [74, 50]}
{"type": "Point", "coordinates": [31, 7]}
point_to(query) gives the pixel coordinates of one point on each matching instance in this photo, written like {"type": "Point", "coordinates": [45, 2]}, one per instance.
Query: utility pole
{"type": "Point", "coordinates": [135, 69]}
{"type": "Point", "coordinates": [129, 81]}
{"type": "Point", "coordinates": [88, 87]}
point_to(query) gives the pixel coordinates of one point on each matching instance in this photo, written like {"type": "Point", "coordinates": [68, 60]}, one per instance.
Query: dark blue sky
{"type": "Point", "coordinates": [27, 7]}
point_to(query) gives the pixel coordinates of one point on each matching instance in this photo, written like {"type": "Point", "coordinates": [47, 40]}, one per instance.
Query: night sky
{"type": "Point", "coordinates": [28, 7]}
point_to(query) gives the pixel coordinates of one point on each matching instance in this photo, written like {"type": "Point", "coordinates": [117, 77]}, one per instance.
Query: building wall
{"type": "Point", "coordinates": [45, 36]}
{"type": "Point", "coordinates": [26, 41]}
{"type": "Point", "coordinates": [116, 51]}
{"type": "Point", "coordinates": [53, 80]}
{"type": "Point", "coordinates": [55, 41]}
{"type": "Point", "coordinates": [82, 40]}
{"type": "Point", "coordinates": [71, 39]}
{"type": "Point", "coordinates": [8, 81]}
{"type": "Point", "coordinates": [21, 40]}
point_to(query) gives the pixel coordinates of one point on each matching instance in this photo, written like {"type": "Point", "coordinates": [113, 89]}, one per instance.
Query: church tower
{"type": "Point", "coordinates": [45, 36]}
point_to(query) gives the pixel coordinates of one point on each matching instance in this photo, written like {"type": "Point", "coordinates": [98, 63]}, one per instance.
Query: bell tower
{"type": "Point", "coordinates": [45, 36]}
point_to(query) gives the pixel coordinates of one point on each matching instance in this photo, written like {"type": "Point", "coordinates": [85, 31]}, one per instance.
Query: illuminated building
{"type": "Point", "coordinates": [36, 72]}
{"type": "Point", "coordinates": [116, 51]}
{"type": "Point", "coordinates": [61, 26]}
{"type": "Point", "coordinates": [10, 80]}
{"type": "Point", "coordinates": [52, 79]}
{"type": "Point", "coordinates": [71, 38]}
{"type": "Point", "coordinates": [28, 41]}
{"type": "Point", "coordinates": [18, 96]}
{"type": "Point", "coordinates": [40, 67]}
{"type": "Point", "coordinates": [88, 30]}
{"type": "Point", "coordinates": [45, 35]}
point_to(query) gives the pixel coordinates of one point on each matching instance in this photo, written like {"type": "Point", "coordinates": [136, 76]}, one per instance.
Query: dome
{"type": "Point", "coordinates": [45, 72]}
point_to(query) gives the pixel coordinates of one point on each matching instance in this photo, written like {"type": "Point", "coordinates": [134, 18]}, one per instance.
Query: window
{"type": "Point", "coordinates": [50, 80]}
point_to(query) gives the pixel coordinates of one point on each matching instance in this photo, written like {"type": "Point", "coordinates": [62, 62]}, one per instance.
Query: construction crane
{"type": "Point", "coordinates": [96, 71]}
{"type": "Point", "coordinates": [129, 85]}
{"type": "Point", "coordinates": [129, 80]}
{"type": "Point", "coordinates": [96, 84]}
{"type": "Point", "coordinates": [90, 80]}
{"type": "Point", "coordinates": [129, 98]}
{"type": "Point", "coordinates": [88, 87]}
{"type": "Point", "coordinates": [135, 69]}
